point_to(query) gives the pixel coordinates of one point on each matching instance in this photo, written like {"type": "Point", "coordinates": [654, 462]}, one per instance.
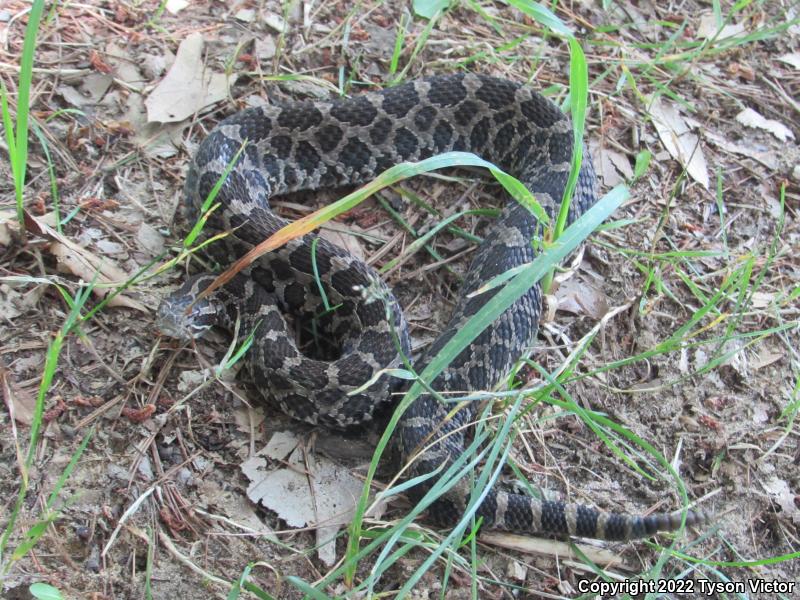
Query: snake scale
{"type": "Point", "coordinates": [314, 145]}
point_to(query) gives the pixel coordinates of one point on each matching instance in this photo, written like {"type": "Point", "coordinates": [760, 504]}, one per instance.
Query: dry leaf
{"type": "Point", "coordinates": [88, 91]}
{"type": "Point", "coordinates": [613, 167]}
{"type": "Point", "coordinates": [783, 496]}
{"type": "Point", "coordinates": [516, 570]}
{"type": "Point", "coordinates": [342, 236]}
{"type": "Point", "coordinates": [751, 118]}
{"type": "Point", "coordinates": [245, 15]}
{"type": "Point", "coordinates": [248, 418]}
{"type": "Point", "coordinates": [176, 6]}
{"type": "Point", "coordinates": [579, 298]}
{"type": "Point", "coordinates": [766, 157]}
{"type": "Point", "coordinates": [241, 511]}
{"type": "Point", "coordinates": [110, 247]}
{"type": "Point", "coordinates": [189, 380]}
{"type": "Point", "coordinates": [17, 297]}
{"type": "Point", "coordinates": [792, 59]}
{"type": "Point", "coordinates": [324, 498]}
{"type": "Point", "coordinates": [760, 414]}
{"type": "Point", "coordinates": [188, 87]}
{"type": "Point", "coordinates": [276, 22]}
{"type": "Point", "coordinates": [20, 402]}
{"type": "Point", "coordinates": [9, 226]}
{"type": "Point", "coordinates": [763, 299]}
{"type": "Point", "coordinates": [125, 65]}
{"type": "Point", "coordinates": [156, 140]}
{"type": "Point", "coordinates": [265, 48]}
{"type": "Point", "coordinates": [765, 357]}
{"type": "Point", "coordinates": [150, 239]}
{"type": "Point", "coordinates": [709, 28]}
{"type": "Point", "coordinates": [680, 142]}
{"type": "Point", "coordinates": [85, 264]}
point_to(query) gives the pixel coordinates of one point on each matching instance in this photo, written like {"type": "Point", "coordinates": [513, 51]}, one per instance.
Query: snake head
{"type": "Point", "coordinates": [182, 316]}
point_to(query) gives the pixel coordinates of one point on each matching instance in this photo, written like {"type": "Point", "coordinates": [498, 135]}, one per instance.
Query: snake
{"type": "Point", "coordinates": [266, 151]}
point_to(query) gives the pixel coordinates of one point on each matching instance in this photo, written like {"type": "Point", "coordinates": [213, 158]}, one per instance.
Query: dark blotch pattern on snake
{"type": "Point", "coordinates": [306, 146]}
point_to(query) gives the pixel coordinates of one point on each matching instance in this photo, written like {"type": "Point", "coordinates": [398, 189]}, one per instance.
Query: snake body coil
{"type": "Point", "coordinates": [304, 146]}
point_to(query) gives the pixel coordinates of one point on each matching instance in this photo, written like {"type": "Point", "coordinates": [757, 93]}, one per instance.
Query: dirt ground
{"type": "Point", "coordinates": [159, 498]}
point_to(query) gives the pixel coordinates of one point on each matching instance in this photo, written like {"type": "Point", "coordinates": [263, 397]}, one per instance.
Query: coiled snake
{"type": "Point", "coordinates": [304, 146]}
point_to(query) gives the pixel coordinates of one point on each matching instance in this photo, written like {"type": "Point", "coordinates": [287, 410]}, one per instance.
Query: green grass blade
{"type": "Point", "coordinates": [406, 170]}
{"type": "Point", "coordinates": [578, 94]}
{"type": "Point", "coordinates": [504, 298]}
{"type": "Point", "coordinates": [19, 159]}
{"type": "Point", "coordinates": [208, 204]}
{"type": "Point", "coordinates": [51, 171]}
{"type": "Point", "coordinates": [308, 590]}
{"type": "Point", "coordinates": [398, 43]}
{"type": "Point", "coordinates": [543, 15]}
